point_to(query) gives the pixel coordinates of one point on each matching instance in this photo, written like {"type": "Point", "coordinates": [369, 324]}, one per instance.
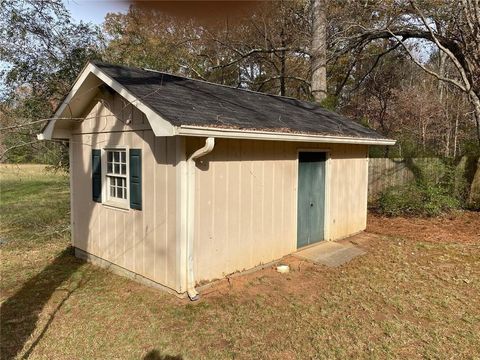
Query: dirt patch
{"type": "Point", "coordinates": [461, 227]}
{"type": "Point", "coordinates": [305, 277]}
{"type": "Point", "coordinates": [263, 281]}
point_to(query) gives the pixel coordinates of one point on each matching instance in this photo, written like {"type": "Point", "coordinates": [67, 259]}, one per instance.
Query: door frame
{"type": "Point", "coordinates": [326, 215]}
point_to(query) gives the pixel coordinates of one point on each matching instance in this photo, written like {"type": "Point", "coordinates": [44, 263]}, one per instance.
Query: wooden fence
{"type": "Point", "coordinates": [384, 173]}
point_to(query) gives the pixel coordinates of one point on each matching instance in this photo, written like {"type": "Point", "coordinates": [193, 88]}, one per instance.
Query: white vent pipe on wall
{"type": "Point", "coordinates": [209, 144]}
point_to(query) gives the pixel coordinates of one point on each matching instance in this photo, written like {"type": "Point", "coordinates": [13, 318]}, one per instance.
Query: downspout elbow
{"type": "Point", "coordinates": [206, 149]}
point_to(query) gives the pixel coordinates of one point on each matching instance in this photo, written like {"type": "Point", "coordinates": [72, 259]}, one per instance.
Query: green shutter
{"type": "Point", "coordinates": [96, 175]}
{"type": "Point", "coordinates": [136, 179]}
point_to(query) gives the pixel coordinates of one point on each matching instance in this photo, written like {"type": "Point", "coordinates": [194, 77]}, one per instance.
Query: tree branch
{"type": "Point", "coordinates": [377, 60]}
{"type": "Point", "coordinates": [424, 68]}
{"type": "Point", "coordinates": [370, 35]}
{"type": "Point", "coordinates": [256, 51]}
{"type": "Point", "coordinates": [453, 58]}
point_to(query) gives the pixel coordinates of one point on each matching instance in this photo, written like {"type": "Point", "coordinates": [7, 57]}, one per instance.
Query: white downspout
{"type": "Point", "coordinates": [209, 144]}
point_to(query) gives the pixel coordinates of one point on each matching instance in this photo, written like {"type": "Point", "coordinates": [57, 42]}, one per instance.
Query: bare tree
{"type": "Point", "coordinates": [459, 42]}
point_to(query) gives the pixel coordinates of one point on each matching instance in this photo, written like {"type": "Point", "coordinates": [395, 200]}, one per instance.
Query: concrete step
{"type": "Point", "coordinates": [331, 253]}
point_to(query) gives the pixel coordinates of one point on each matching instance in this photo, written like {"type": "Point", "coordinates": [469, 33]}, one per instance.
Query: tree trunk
{"type": "Point", "coordinates": [448, 134]}
{"type": "Point", "coordinates": [441, 72]}
{"type": "Point", "coordinates": [424, 136]}
{"type": "Point", "coordinates": [319, 51]}
{"type": "Point", "coordinates": [283, 56]}
{"type": "Point", "coordinates": [455, 137]}
{"type": "Point", "coordinates": [442, 57]}
{"type": "Point", "coordinates": [475, 99]}
{"type": "Point", "coordinates": [477, 119]}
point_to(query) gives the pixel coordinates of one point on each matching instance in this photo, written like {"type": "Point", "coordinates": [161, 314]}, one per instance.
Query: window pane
{"type": "Point", "coordinates": [117, 163]}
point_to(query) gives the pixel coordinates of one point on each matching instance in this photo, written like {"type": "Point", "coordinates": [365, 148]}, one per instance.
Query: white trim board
{"type": "Point", "coordinates": [190, 130]}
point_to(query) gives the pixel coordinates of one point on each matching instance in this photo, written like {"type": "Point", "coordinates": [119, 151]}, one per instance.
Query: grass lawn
{"type": "Point", "coordinates": [416, 294]}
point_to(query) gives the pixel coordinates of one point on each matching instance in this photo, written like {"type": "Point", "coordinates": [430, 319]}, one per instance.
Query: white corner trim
{"type": "Point", "coordinates": [191, 130]}
{"type": "Point", "coordinates": [160, 126]}
{"type": "Point", "coordinates": [181, 214]}
{"type": "Point", "coordinates": [72, 195]}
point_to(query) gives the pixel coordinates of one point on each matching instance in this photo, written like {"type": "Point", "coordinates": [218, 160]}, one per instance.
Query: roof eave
{"type": "Point", "coordinates": [191, 130]}
{"type": "Point", "coordinates": [160, 126]}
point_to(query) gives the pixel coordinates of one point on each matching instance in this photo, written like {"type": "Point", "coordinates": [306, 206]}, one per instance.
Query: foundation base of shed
{"type": "Point", "coordinates": [208, 284]}
{"type": "Point", "coordinates": [118, 270]}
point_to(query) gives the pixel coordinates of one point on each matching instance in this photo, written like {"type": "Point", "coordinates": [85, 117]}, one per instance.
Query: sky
{"type": "Point", "coordinates": [94, 11]}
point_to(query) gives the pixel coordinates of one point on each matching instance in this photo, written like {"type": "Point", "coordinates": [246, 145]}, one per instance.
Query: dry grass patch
{"type": "Point", "coordinates": [411, 296]}
{"type": "Point", "coordinates": [457, 227]}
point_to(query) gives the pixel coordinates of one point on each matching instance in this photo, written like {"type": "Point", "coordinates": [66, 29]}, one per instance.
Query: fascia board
{"type": "Point", "coordinates": [189, 130]}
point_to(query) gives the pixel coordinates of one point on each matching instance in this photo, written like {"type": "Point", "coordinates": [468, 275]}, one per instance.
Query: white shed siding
{"type": "Point", "coordinates": [246, 201]}
{"type": "Point", "coordinates": [245, 198]}
{"type": "Point", "coordinates": [143, 242]}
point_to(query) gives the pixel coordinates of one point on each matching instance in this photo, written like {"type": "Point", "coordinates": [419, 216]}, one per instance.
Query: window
{"type": "Point", "coordinates": [116, 175]}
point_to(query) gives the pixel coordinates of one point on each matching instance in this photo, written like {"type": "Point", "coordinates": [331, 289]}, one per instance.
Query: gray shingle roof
{"type": "Point", "coordinates": [184, 101]}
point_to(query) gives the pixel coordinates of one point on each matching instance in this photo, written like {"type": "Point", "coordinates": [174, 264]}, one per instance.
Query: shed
{"type": "Point", "coordinates": [177, 182]}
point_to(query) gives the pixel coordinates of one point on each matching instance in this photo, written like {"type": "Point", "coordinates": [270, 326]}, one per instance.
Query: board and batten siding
{"type": "Point", "coordinates": [143, 242]}
{"type": "Point", "coordinates": [246, 197]}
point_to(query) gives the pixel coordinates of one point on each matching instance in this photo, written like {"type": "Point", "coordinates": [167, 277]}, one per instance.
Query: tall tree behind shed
{"type": "Point", "coordinates": [318, 60]}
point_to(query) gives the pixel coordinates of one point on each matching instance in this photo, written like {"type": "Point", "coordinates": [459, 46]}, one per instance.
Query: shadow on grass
{"type": "Point", "coordinates": [156, 355]}
{"type": "Point", "coordinates": [19, 313]}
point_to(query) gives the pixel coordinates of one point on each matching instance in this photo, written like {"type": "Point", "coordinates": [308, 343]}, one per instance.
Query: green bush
{"type": "Point", "coordinates": [438, 187]}
{"type": "Point", "coordinates": [417, 199]}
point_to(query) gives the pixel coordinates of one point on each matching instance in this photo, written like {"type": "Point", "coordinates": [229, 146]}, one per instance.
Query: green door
{"type": "Point", "coordinates": [311, 198]}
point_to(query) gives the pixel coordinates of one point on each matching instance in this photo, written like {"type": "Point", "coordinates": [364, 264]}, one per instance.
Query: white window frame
{"type": "Point", "coordinates": [106, 198]}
